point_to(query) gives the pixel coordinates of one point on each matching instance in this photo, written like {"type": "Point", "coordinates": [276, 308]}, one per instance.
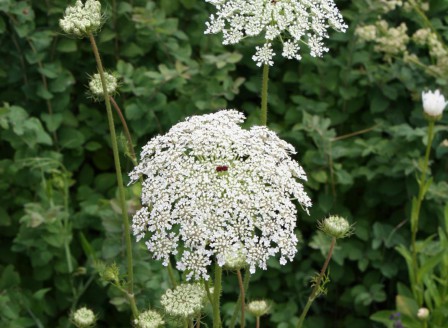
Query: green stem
{"type": "Point", "coordinates": [264, 95]}
{"type": "Point", "coordinates": [126, 131]}
{"type": "Point", "coordinates": [317, 285]}
{"type": "Point", "coordinates": [216, 296]}
{"type": "Point", "coordinates": [242, 296]}
{"type": "Point", "coordinates": [124, 212]}
{"type": "Point", "coordinates": [238, 303]}
{"type": "Point", "coordinates": [171, 275]}
{"type": "Point", "coordinates": [185, 323]}
{"type": "Point", "coordinates": [198, 321]}
{"type": "Point", "coordinates": [416, 212]}
{"type": "Point", "coordinates": [258, 322]}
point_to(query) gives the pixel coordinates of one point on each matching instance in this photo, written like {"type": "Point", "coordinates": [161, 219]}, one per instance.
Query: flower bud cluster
{"type": "Point", "coordinates": [184, 301]}
{"type": "Point", "coordinates": [391, 40]}
{"type": "Point", "coordinates": [84, 318]}
{"type": "Point", "coordinates": [258, 308]}
{"type": "Point", "coordinates": [290, 21]}
{"type": "Point", "coordinates": [336, 226]}
{"type": "Point", "coordinates": [96, 86]}
{"type": "Point", "coordinates": [149, 319]}
{"type": "Point", "coordinates": [82, 19]}
{"type": "Point", "coordinates": [366, 32]}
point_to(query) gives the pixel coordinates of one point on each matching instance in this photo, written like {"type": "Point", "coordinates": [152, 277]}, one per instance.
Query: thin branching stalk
{"type": "Point", "coordinates": [242, 296]}
{"type": "Point", "coordinates": [316, 287]}
{"type": "Point", "coordinates": [238, 303]}
{"type": "Point", "coordinates": [126, 131]}
{"type": "Point", "coordinates": [198, 321]}
{"type": "Point", "coordinates": [264, 95]}
{"type": "Point", "coordinates": [416, 285]}
{"type": "Point", "coordinates": [124, 212]}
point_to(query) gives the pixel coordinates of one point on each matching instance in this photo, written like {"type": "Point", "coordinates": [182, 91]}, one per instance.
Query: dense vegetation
{"type": "Point", "coordinates": [354, 116]}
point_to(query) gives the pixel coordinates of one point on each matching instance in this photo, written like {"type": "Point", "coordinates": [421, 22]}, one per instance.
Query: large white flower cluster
{"type": "Point", "coordinates": [292, 21]}
{"type": "Point", "coordinates": [212, 189]}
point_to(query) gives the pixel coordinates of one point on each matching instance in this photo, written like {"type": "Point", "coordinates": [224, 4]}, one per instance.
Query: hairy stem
{"type": "Point", "coordinates": [124, 212]}
{"type": "Point", "coordinates": [317, 285]}
{"type": "Point", "coordinates": [264, 95]}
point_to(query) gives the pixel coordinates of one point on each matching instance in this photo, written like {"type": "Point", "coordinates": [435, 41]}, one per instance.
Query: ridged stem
{"type": "Point", "coordinates": [124, 212]}
{"type": "Point", "coordinates": [216, 296]}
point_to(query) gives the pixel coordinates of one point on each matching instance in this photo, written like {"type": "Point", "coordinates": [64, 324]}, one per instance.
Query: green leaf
{"type": "Point", "coordinates": [407, 306]}
{"type": "Point", "coordinates": [71, 138]}
{"type": "Point", "coordinates": [9, 278]}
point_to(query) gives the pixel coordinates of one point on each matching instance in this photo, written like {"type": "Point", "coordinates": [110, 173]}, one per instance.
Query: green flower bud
{"type": "Point", "coordinates": [149, 319]}
{"type": "Point", "coordinates": [336, 226]}
{"type": "Point", "coordinates": [84, 318]}
{"type": "Point", "coordinates": [258, 308]}
{"type": "Point", "coordinates": [96, 86]}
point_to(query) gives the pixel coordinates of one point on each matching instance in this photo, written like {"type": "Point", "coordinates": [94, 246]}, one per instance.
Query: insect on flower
{"type": "Point", "coordinates": [221, 168]}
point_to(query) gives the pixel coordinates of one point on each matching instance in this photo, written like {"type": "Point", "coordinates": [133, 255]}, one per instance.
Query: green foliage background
{"type": "Point", "coordinates": [58, 186]}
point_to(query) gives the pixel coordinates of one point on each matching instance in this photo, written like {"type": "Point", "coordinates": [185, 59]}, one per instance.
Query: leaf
{"type": "Point", "coordinates": [9, 278]}
{"type": "Point", "coordinates": [71, 138]}
{"type": "Point", "coordinates": [406, 306]}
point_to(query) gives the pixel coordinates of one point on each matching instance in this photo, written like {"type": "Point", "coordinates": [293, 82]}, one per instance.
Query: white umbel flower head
{"type": "Point", "coordinates": [84, 318]}
{"type": "Point", "coordinates": [96, 87]}
{"type": "Point", "coordinates": [433, 103]}
{"type": "Point", "coordinates": [291, 21]}
{"type": "Point", "coordinates": [336, 226]}
{"type": "Point", "coordinates": [184, 301]}
{"type": "Point", "coordinates": [211, 187]}
{"type": "Point", "coordinates": [82, 19]}
{"type": "Point", "coordinates": [258, 308]}
{"type": "Point", "coordinates": [149, 319]}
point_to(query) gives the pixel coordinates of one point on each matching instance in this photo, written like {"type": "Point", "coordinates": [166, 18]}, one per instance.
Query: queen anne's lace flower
{"type": "Point", "coordinates": [212, 188]}
{"type": "Point", "coordinates": [292, 21]}
{"type": "Point", "coordinates": [184, 301]}
{"type": "Point", "coordinates": [82, 19]}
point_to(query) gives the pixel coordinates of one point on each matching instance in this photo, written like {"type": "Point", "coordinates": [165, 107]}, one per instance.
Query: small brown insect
{"type": "Point", "coordinates": [222, 168]}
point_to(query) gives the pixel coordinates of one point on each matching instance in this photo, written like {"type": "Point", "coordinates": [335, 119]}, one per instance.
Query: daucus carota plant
{"type": "Point", "coordinates": [293, 22]}
{"type": "Point", "coordinates": [212, 188]}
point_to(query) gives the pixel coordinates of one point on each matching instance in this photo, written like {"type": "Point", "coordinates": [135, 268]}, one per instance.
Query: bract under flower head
{"type": "Point", "coordinates": [292, 21]}
{"type": "Point", "coordinates": [184, 301]}
{"type": "Point", "coordinates": [82, 19]}
{"type": "Point", "coordinates": [191, 207]}
{"type": "Point", "coordinates": [433, 103]}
